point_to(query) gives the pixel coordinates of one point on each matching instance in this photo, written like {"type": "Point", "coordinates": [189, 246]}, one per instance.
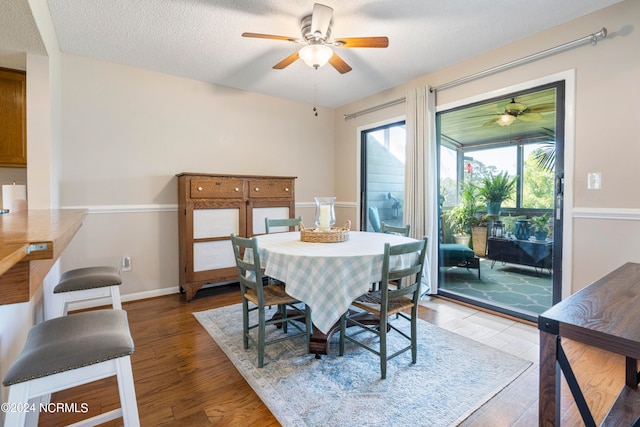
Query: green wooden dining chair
{"type": "Point", "coordinates": [256, 297]}
{"type": "Point", "coordinates": [387, 302]}
{"type": "Point", "coordinates": [403, 231]}
{"type": "Point", "coordinates": [269, 223]}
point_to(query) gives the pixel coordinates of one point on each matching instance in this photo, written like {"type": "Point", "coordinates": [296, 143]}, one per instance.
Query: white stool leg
{"type": "Point", "coordinates": [127, 391]}
{"type": "Point", "coordinates": [115, 297]}
{"type": "Point", "coordinates": [59, 307]}
{"type": "Point", "coordinates": [15, 414]}
{"type": "Point", "coordinates": [33, 416]}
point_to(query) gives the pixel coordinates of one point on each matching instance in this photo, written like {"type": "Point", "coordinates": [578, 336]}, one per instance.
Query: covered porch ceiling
{"type": "Point", "coordinates": [475, 125]}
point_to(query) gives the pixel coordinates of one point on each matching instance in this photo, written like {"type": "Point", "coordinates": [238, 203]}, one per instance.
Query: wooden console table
{"type": "Point", "coordinates": [30, 243]}
{"type": "Point", "coordinates": [603, 315]}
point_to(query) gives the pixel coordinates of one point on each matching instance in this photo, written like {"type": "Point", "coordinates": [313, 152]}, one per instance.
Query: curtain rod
{"type": "Point", "coordinates": [372, 109]}
{"type": "Point", "coordinates": [593, 38]}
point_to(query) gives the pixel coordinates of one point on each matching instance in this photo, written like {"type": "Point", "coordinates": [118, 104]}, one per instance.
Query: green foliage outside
{"type": "Point", "coordinates": [537, 188]}
{"type": "Point", "coordinates": [537, 191]}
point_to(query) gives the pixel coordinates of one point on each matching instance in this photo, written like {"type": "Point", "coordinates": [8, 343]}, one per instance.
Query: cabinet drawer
{"type": "Point", "coordinates": [217, 188]}
{"type": "Point", "coordinates": [270, 188]}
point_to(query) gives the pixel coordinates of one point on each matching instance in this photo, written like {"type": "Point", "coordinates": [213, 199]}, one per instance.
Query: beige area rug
{"type": "Point", "coordinates": [454, 376]}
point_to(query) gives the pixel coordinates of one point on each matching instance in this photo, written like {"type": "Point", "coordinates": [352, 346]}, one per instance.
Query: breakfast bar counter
{"type": "Point", "coordinates": [30, 243]}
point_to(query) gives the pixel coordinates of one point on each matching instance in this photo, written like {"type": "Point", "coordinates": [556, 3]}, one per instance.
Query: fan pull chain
{"type": "Point", "coordinates": [315, 95]}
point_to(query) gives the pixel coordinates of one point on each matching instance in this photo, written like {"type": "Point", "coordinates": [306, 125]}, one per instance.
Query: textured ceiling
{"type": "Point", "coordinates": [18, 34]}
{"type": "Point", "coordinates": [201, 39]}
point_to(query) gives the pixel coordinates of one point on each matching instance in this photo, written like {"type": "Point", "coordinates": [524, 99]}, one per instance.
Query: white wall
{"type": "Point", "coordinates": [128, 131]}
{"type": "Point", "coordinates": [606, 128]}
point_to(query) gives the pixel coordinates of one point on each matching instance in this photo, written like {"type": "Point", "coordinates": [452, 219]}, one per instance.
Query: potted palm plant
{"type": "Point", "coordinates": [541, 223]}
{"type": "Point", "coordinates": [495, 189]}
{"type": "Point", "coordinates": [463, 216]}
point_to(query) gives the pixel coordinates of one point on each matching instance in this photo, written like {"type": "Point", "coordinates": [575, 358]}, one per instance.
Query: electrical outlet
{"type": "Point", "coordinates": [126, 264]}
{"type": "Point", "coordinates": [594, 181]}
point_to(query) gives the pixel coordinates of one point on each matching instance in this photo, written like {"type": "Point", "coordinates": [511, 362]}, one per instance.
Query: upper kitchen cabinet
{"type": "Point", "coordinates": [13, 118]}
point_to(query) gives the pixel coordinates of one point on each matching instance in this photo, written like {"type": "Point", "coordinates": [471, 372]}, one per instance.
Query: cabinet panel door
{"type": "Point", "coordinates": [259, 214]}
{"type": "Point", "coordinates": [208, 223]}
{"type": "Point", "coordinates": [213, 255]}
{"type": "Point", "coordinates": [13, 113]}
{"type": "Point", "coordinates": [261, 208]}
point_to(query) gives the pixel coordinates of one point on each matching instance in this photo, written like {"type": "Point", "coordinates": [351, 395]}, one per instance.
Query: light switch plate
{"type": "Point", "coordinates": [594, 181]}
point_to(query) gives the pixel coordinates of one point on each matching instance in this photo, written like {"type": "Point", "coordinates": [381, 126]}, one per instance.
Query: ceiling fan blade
{"type": "Point", "coordinates": [542, 108]}
{"type": "Point", "coordinates": [271, 36]}
{"type": "Point", "coordinates": [530, 117]}
{"type": "Point", "coordinates": [321, 19]}
{"type": "Point", "coordinates": [286, 61]}
{"type": "Point", "coordinates": [362, 42]}
{"type": "Point", "coordinates": [490, 122]}
{"type": "Point", "coordinates": [337, 63]}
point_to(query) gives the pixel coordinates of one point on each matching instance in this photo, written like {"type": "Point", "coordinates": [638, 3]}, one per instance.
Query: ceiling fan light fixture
{"type": "Point", "coordinates": [514, 107]}
{"type": "Point", "coordinates": [505, 119]}
{"type": "Point", "coordinates": [315, 55]}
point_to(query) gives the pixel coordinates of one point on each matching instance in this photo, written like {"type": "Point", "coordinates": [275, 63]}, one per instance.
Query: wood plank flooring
{"type": "Point", "coordinates": [182, 377]}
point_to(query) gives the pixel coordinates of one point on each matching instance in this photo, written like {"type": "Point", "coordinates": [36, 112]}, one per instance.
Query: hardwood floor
{"type": "Point", "coordinates": [183, 378]}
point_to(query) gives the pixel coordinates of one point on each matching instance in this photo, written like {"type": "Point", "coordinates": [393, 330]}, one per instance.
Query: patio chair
{"type": "Point", "coordinates": [457, 255]}
{"type": "Point", "coordinates": [256, 297]}
{"type": "Point", "coordinates": [374, 218]}
{"type": "Point", "coordinates": [386, 302]}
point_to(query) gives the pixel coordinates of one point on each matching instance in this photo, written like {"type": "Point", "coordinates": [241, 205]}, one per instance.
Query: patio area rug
{"type": "Point", "coordinates": [454, 376]}
{"type": "Point", "coordinates": [518, 287]}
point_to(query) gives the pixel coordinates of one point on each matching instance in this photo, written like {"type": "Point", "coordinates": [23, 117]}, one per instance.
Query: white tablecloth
{"type": "Point", "coordinates": [327, 276]}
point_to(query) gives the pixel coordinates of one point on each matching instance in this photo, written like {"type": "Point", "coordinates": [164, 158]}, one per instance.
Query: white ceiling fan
{"type": "Point", "coordinates": [316, 33]}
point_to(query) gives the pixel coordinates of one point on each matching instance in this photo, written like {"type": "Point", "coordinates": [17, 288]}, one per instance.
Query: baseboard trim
{"type": "Point", "coordinates": [115, 209]}
{"type": "Point", "coordinates": [99, 302]}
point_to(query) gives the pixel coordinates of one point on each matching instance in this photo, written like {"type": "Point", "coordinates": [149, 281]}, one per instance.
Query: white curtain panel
{"type": "Point", "coordinates": [421, 198]}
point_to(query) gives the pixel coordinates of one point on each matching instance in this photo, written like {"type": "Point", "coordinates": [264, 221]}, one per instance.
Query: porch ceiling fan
{"type": "Point", "coordinates": [316, 33]}
{"type": "Point", "coordinates": [516, 110]}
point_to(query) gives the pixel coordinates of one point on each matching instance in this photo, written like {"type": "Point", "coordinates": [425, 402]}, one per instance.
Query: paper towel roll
{"type": "Point", "coordinates": [11, 193]}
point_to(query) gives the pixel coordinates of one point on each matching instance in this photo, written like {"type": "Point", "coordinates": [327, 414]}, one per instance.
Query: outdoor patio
{"type": "Point", "coordinates": [516, 287]}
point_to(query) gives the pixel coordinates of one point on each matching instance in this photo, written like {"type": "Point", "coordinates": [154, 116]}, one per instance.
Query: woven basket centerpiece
{"type": "Point", "coordinates": [334, 235]}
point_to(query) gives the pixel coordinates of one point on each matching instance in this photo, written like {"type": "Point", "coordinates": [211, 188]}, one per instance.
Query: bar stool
{"type": "Point", "coordinates": [68, 351]}
{"type": "Point", "coordinates": [86, 284]}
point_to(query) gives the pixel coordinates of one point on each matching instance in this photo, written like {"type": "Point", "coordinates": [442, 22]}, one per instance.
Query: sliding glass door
{"type": "Point", "coordinates": [502, 259]}
{"type": "Point", "coordinates": [382, 176]}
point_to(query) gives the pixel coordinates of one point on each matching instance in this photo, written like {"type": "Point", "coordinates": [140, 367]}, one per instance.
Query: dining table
{"type": "Point", "coordinates": [327, 277]}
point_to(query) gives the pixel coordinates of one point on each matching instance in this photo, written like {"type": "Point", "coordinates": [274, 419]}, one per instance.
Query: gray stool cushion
{"type": "Point", "coordinates": [88, 278]}
{"type": "Point", "coordinates": [71, 342]}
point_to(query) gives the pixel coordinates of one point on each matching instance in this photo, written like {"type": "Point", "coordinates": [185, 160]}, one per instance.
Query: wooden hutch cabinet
{"type": "Point", "coordinates": [210, 208]}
